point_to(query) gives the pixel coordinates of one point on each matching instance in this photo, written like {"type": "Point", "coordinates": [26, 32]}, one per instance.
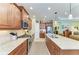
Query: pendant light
{"type": "Point", "coordinates": [55, 14]}
{"type": "Point", "coordinates": [70, 15]}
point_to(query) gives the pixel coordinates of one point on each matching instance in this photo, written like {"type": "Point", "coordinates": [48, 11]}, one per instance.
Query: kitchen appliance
{"type": "Point", "coordinates": [24, 24]}
{"type": "Point", "coordinates": [49, 29]}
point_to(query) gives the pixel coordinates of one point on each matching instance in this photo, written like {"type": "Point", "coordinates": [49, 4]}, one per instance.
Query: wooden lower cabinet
{"type": "Point", "coordinates": [52, 47]}
{"type": "Point", "coordinates": [21, 49]}
{"type": "Point", "coordinates": [42, 34]}
{"type": "Point", "coordinates": [70, 52]}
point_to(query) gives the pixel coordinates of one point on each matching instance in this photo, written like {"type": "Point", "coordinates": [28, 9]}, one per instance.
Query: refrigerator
{"type": "Point", "coordinates": [49, 30]}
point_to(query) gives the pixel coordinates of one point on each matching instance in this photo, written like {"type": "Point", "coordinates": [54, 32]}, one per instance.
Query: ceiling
{"type": "Point", "coordinates": [40, 10]}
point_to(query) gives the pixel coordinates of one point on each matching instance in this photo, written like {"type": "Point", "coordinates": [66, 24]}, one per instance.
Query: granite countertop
{"type": "Point", "coordinates": [64, 42]}
{"type": "Point", "coordinates": [10, 45]}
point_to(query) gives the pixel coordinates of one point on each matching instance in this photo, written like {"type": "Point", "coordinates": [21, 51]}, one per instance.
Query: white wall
{"type": "Point", "coordinates": [37, 31]}
{"type": "Point", "coordinates": [32, 31]}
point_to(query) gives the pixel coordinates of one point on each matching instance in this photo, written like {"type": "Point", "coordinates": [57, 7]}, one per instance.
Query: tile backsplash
{"type": "Point", "coordinates": [5, 36]}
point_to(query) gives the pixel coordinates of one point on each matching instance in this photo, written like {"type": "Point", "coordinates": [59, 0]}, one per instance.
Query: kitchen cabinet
{"type": "Point", "coordinates": [15, 16]}
{"type": "Point", "coordinates": [24, 16]}
{"type": "Point", "coordinates": [42, 34]}
{"type": "Point", "coordinates": [22, 49]}
{"type": "Point", "coordinates": [10, 16]}
{"type": "Point", "coordinates": [44, 27]}
{"type": "Point", "coordinates": [52, 47]}
{"type": "Point", "coordinates": [30, 24]}
{"type": "Point", "coordinates": [3, 16]}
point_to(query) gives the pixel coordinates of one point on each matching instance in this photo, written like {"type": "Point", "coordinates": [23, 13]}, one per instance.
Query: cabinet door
{"type": "Point", "coordinates": [15, 17]}
{"type": "Point", "coordinates": [52, 47]}
{"type": "Point", "coordinates": [30, 23]}
{"type": "Point", "coordinates": [21, 49]}
{"type": "Point", "coordinates": [10, 16]}
{"type": "Point", "coordinates": [24, 15]}
{"type": "Point", "coordinates": [3, 15]}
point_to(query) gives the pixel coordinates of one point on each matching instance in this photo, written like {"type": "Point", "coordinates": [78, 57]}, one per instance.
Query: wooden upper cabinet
{"type": "Point", "coordinates": [25, 15]}
{"type": "Point", "coordinates": [30, 23]}
{"type": "Point", "coordinates": [3, 15]}
{"type": "Point", "coordinates": [10, 16]}
{"type": "Point", "coordinates": [16, 17]}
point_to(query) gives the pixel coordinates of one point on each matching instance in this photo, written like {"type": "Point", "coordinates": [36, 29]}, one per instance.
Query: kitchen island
{"type": "Point", "coordinates": [14, 47]}
{"type": "Point", "coordinates": [60, 45]}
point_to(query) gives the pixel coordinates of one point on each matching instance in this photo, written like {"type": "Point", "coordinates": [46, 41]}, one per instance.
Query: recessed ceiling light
{"type": "Point", "coordinates": [49, 8]}
{"type": "Point", "coordinates": [31, 8]}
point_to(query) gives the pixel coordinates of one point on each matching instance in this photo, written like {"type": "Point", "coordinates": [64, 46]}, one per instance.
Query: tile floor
{"type": "Point", "coordinates": [39, 48]}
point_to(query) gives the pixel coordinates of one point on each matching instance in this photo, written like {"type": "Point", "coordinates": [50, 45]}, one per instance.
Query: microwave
{"type": "Point", "coordinates": [24, 24]}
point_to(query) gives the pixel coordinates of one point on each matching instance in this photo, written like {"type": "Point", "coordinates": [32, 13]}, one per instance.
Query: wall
{"type": "Point", "coordinates": [37, 30]}
{"type": "Point", "coordinates": [32, 31]}
{"type": "Point", "coordinates": [63, 24]}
